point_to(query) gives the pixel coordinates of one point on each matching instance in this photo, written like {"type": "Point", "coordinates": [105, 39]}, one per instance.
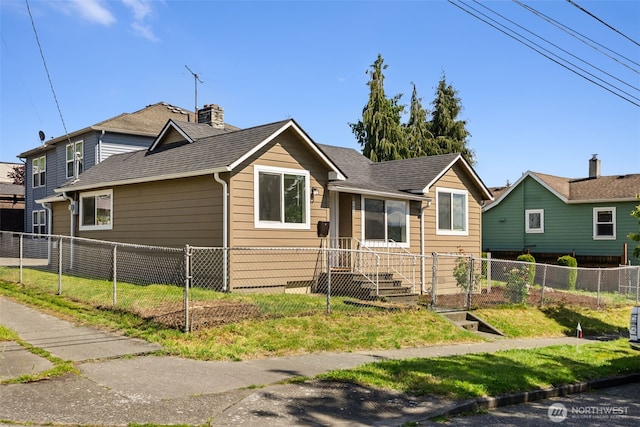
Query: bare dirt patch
{"type": "Point", "coordinates": [202, 314]}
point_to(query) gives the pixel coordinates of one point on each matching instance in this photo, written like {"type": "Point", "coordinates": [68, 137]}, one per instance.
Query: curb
{"type": "Point", "coordinates": [487, 403]}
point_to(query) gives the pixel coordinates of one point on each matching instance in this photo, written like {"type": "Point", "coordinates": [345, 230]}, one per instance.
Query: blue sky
{"type": "Point", "coordinates": [266, 61]}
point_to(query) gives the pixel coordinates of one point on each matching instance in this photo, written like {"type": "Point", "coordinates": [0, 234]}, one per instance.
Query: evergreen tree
{"type": "Point", "coordinates": [379, 132]}
{"type": "Point", "coordinates": [420, 141]}
{"type": "Point", "coordinates": [450, 134]}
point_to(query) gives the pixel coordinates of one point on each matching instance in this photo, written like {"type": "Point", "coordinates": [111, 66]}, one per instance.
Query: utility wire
{"type": "Point", "coordinates": [573, 33]}
{"type": "Point", "coordinates": [637, 104]}
{"type": "Point", "coordinates": [559, 48]}
{"type": "Point", "coordinates": [55, 98]}
{"type": "Point", "coordinates": [602, 22]}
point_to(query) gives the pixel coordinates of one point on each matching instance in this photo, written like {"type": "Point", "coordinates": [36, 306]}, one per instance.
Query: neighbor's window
{"type": "Point", "coordinates": [385, 220]}
{"type": "Point", "coordinates": [534, 220]}
{"type": "Point", "coordinates": [604, 223]}
{"type": "Point", "coordinates": [39, 166]}
{"type": "Point", "coordinates": [96, 210]}
{"type": "Point", "coordinates": [281, 198]}
{"type": "Point", "coordinates": [452, 215]}
{"type": "Point", "coordinates": [74, 159]}
{"type": "Point", "coordinates": [39, 222]}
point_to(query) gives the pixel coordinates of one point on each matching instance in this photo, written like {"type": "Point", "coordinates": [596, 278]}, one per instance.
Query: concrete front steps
{"type": "Point", "coordinates": [356, 285]}
{"type": "Point", "coordinates": [471, 323]}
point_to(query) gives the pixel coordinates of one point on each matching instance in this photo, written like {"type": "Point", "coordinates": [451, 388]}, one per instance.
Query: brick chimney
{"type": "Point", "coordinates": [594, 167]}
{"type": "Point", "coordinates": [213, 115]}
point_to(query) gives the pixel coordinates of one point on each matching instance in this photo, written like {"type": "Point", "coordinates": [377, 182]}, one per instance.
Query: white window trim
{"type": "Point", "coordinates": [36, 163]}
{"type": "Point", "coordinates": [595, 223]}
{"type": "Point", "coordinates": [94, 194]}
{"type": "Point", "coordinates": [384, 243]}
{"type": "Point", "coordinates": [440, 232]}
{"type": "Point", "coordinates": [306, 225]}
{"type": "Point", "coordinates": [74, 160]}
{"type": "Point", "coordinates": [526, 221]}
{"type": "Point", "coordinates": [39, 214]}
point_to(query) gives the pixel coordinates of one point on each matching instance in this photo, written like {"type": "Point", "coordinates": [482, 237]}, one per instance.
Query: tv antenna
{"type": "Point", "coordinates": [196, 79]}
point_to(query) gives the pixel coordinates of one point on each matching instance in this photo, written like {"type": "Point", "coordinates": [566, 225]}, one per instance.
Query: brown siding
{"type": "Point", "coordinates": [60, 221]}
{"type": "Point", "coordinates": [286, 151]}
{"type": "Point", "coordinates": [166, 213]}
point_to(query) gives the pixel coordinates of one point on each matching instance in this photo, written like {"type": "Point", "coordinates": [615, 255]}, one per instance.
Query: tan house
{"type": "Point", "coordinates": [270, 186]}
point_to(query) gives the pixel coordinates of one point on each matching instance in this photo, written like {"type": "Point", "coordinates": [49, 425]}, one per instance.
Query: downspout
{"type": "Point", "coordinates": [72, 222]}
{"type": "Point", "coordinates": [423, 277]}
{"type": "Point", "coordinates": [225, 228]}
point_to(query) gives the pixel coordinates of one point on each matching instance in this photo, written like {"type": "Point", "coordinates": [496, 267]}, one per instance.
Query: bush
{"type": "Point", "coordinates": [517, 288]}
{"type": "Point", "coordinates": [572, 272]}
{"type": "Point", "coordinates": [531, 269]}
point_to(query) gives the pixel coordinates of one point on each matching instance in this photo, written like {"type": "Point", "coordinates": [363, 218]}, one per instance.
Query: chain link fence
{"type": "Point", "coordinates": [191, 288]}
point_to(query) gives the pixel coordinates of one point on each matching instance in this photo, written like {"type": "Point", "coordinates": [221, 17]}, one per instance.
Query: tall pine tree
{"type": "Point", "coordinates": [379, 132]}
{"type": "Point", "coordinates": [420, 141]}
{"type": "Point", "coordinates": [450, 133]}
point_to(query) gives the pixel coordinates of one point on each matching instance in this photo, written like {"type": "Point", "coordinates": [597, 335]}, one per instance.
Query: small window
{"type": "Point", "coordinates": [96, 210]}
{"type": "Point", "coordinates": [453, 213]}
{"type": "Point", "coordinates": [534, 221]}
{"type": "Point", "coordinates": [604, 223]}
{"type": "Point", "coordinates": [39, 170]}
{"type": "Point", "coordinates": [385, 221]}
{"type": "Point", "coordinates": [281, 198]}
{"type": "Point", "coordinates": [74, 159]}
{"type": "Point", "coordinates": [39, 222]}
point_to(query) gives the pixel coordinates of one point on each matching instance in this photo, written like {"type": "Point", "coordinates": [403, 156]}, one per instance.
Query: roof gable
{"type": "Point", "coordinates": [616, 188]}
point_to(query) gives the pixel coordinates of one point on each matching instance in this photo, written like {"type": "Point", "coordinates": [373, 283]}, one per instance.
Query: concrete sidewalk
{"type": "Point", "coordinates": [117, 390]}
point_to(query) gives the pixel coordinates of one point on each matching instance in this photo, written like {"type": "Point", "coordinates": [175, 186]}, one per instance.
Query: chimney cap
{"type": "Point", "coordinates": [595, 156]}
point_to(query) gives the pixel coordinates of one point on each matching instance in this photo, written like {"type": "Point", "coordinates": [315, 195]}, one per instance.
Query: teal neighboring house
{"type": "Point", "coordinates": [550, 216]}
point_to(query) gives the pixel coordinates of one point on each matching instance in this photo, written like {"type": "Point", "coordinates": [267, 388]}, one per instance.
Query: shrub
{"type": "Point", "coordinates": [572, 272]}
{"type": "Point", "coordinates": [531, 269]}
{"type": "Point", "coordinates": [517, 288]}
{"type": "Point", "coordinates": [465, 279]}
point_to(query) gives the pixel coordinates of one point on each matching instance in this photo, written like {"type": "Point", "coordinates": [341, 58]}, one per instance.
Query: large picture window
{"type": "Point", "coordinates": [385, 221]}
{"type": "Point", "coordinates": [604, 223]}
{"type": "Point", "coordinates": [96, 210]}
{"type": "Point", "coordinates": [281, 198]}
{"type": "Point", "coordinates": [534, 220]}
{"type": "Point", "coordinates": [74, 159]}
{"type": "Point", "coordinates": [453, 214]}
{"type": "Point", "coordinates": [39, 169]}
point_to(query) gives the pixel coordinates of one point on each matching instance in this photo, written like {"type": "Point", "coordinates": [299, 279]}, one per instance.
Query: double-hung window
{"type": "Point", "coordinates": [282, 198]}
{"type": "Point", "coordinates": [39, 170]}
{"type": "Point", "coordinates": [74, 159]}
{"type": "Point", "coordinates": [604, 223]}
{"type": "Point", "coordinates": [453, 214]}
{"type": "Point", "coordinates": [39, 223]}
{"type": "Point", "coordinates": [534, 220]}
{"type": "Point", "coordinates": [385, 221]}
{"type": "Point", "coordinates": [96, 210]}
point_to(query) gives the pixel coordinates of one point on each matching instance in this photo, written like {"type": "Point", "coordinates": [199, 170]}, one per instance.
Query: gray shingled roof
{"type": "Point", "coordinates": [11, 189]}
{"type": "Point", "coordinates": [613, 187]}
{"type": "Point", "coordinates": [204, 155]}
{"type": "Point", "coordinates": [217, 150]}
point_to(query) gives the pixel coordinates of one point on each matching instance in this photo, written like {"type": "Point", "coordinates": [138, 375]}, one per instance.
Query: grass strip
{"type": "Point", "coordinates": [494, 374]}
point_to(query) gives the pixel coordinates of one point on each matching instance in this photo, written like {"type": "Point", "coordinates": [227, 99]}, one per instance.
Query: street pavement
{"type": "Point", "coordinates": [124, 380]}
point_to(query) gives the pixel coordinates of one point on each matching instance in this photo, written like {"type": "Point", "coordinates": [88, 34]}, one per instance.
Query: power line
{"type": "Point", "coordinates": [582, 37]}
{"type": "Point", "coordinates": [542, 53]}
{"type": "Point", "coordinates": [55, 98]}
{"type": "Point", "coordinates": [562, 50]}
{"type": "Point", "coordinates": [602, 22]}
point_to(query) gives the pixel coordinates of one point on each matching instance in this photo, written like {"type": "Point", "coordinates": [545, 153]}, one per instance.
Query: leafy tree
{"type": "Point", "coordinates": [17, 174]}
{"type": "Point", "coordinates": [420, 141]}
{"type": "Point", "coordinates": [451, 134]}
{"type": "Point", "coordinates": [636, 236]}
{"type": "Point", "coordinates": [379, 132]}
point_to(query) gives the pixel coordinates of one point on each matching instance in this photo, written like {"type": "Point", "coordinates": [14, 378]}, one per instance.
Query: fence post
{"type": "Point", "coordinates": [187, 273]}
{"type": "Point", "coordinates": [470, 282]}
{"type": "Point", "coordinates": [328, 281]}
{"type": "Point", "coordinates": [544, 284]}
{"type": "Point", "coordinates": [115, 274]}
{"type": "Point", "coordinates": [637, 284]}
{"type": "Point", "coordinates": [488, 273]}
{"type": "Point", "coordinates": [21, 246]}
{"type": "Point", "coordinates": [60, 265]}
{"type": "Point", "coordinates": [434, 279]}
{"type": "Point", "coordinates": [599, 278]}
